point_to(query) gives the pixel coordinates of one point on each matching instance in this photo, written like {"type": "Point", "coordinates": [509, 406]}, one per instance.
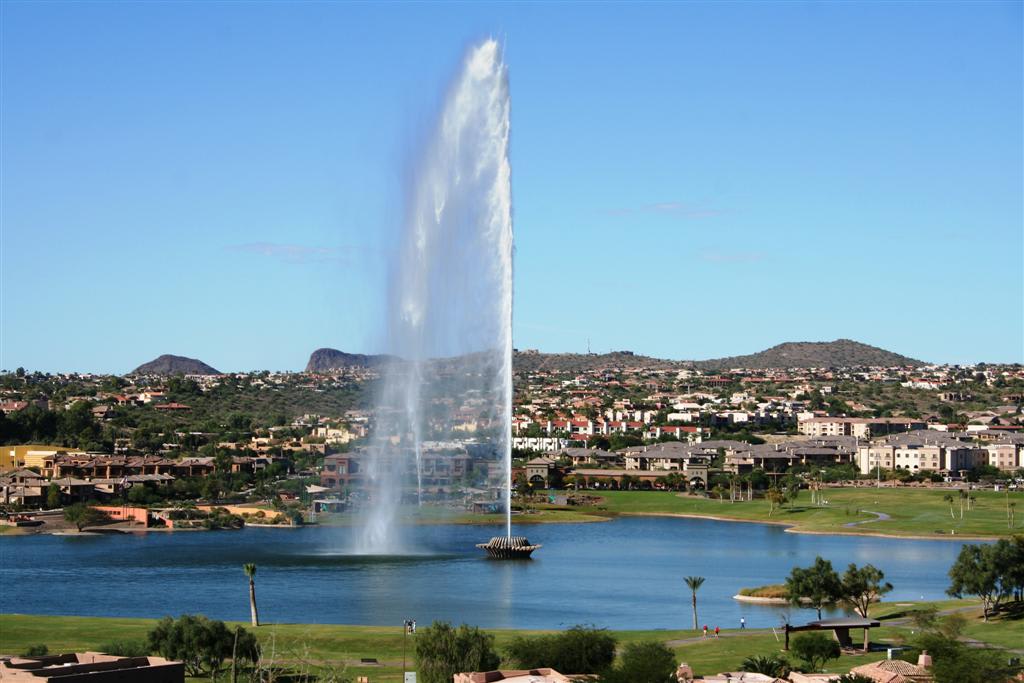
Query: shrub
{"type": "Point", "coordinates": [125, 648]}
{"type": "Point", "coordinates": [773, 590]}
{"type": "Point", "coordinates": [649, 661]}
{"type": "Point", "coordinates": [814, 649]}
{"type": "Point", "coordinates": [580, 650]}
{"type": "Point", "coordinates": [442, 651]}
{"type": "Point", "coordinates": [37, 650]}
{"type": "Point", "coordinates": [769, 665]}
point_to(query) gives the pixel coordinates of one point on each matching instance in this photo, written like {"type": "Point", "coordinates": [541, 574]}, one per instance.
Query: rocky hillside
{"type": "Point", "coordinates": [168, 364]}
{"type": "Point", "coordinates": [834, 354]}
{"type": "Point", "coordinates": [325, 360]}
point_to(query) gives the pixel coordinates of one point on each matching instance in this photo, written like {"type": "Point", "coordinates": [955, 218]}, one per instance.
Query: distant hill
{"type": "Point", "coordinates": [534, 361]}
{"type": "Point", "coordinates": [168, 364]}
{"type": "Point", "coordinates": [839, 353]}
{"type": "Point", "coordinates": [325, 360]}
{"type": "Point", "coordinates": [834, 354]}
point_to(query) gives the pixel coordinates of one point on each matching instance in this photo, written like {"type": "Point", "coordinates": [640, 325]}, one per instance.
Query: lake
{"type": "Point", "coordinates": [623, 574]}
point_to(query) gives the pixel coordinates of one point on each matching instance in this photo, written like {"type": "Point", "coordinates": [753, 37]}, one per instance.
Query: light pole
{"type": "Point", "coordinates": [408, 626]}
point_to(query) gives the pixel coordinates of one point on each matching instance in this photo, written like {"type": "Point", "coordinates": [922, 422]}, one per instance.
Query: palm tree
{"type": "Point", "coordinates": [769, 665]}
{"type": "Point", "coordinates": [250, 570]}
{"type": "Point", "coordinates": [949, 499]}
{"type": "Point", "coordinates": [694, 582]}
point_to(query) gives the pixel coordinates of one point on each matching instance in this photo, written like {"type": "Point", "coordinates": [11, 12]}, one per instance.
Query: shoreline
{"type": "Point", "coordinates": [792, 528]}
{"type": "Point", "coordinates": [789, 527]}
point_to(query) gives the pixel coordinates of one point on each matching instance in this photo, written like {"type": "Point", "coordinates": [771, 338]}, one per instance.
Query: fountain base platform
{"type": "Point", "coordinates": [508, 548]}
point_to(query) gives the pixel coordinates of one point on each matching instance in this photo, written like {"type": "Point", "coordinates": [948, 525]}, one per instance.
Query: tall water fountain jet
{"type": "Point", "coordinates": [450, 308]}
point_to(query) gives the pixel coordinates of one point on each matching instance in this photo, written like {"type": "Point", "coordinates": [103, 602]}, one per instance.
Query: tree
{"type": "Point", "coordinates": [202, 644]}
{"type": "Point", "coordinates": [949, 499]}
{"type": "Point", "coordinates": [82, 515]}
{"type": "Point", "coordinates": [862, 586]}
{"type": "Point", "coordinates": [694, 583]}
{"type": "Point", "coordinates": [814, 649]}
{"type": "Point", "coordinates": [53, 496]}
{"type": "Point", "coordinates": [580, 650]}
{"type": "Point", "coordinates": [955, 662]}
{"type": "Point", "coordinates": [775, 497]}
{"type": "Point", "coordinates": [442, 651]}
{"type": "Point", "coordinates": [250, 570]}
{"type": "Point", "coordinates": [818, 585]}
{"type": "Point", "coordinates": [769, 665]}
{"type": "Point", "coordinates": [649, 661]}
{"type": "Point", "coordinates": [991, 572]}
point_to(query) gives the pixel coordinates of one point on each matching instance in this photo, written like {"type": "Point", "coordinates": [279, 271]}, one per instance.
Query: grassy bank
{"type": "Point", "coordinates": [336, 646]}
{"type": "Point", "coordinates": [911, 512]}
{"type": "Point", "coordinates": [775, 591]}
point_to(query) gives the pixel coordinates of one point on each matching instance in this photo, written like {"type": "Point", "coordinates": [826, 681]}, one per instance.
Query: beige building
{"type": "Point", "coordinates": [919, 456]}
{"type": "Point", "coordinates": [1005, 456]}
{"type": "Point", "coordinates": [860, 427]}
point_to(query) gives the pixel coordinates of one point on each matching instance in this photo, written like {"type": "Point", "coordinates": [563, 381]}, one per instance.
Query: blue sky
{"type": "Point", "coordinates": [691, 180]}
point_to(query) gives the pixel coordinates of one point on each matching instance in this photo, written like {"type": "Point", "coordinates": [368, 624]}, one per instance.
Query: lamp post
{"type": "Point", "coordinates": [408, 626]}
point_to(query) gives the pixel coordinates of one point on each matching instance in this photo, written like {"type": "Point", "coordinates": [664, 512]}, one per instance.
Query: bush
{"type": "Point", "coordinates": [125, 648]}
{"type": "Point", "coordinates": [772, 590]}
{"type": "Point", "coordinates": [649, 661]}
{"type": "Point", "coordinates": [443, 651]}
{"type": "Point", "coordinates": [37, 650]}
{"type": "Point", "coordinates": [580, 650]}
{"type": "Point", "coordinates": [202, 644]}
{"type": "Point", "coordinates": [769, 665]}
{"type": "Point", "coordinates": [814, 649]}
{"type": "Point", "coordinates": [955, 662]}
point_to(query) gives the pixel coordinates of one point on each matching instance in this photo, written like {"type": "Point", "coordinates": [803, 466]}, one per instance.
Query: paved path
{"type": "Point", "coordinates": [898, 621]}
{"type": "Point", "coordinates": [879, 517]}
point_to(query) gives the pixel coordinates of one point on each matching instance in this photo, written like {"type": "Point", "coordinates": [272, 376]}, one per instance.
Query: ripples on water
{"type": "Point", "coordinates": [621, 574]}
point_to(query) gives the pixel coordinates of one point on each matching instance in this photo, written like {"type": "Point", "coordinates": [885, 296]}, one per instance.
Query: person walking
{"type": "Point", "coordinates": [743, 622]}
{"type": "Point", "coordinates": [705, 631]}
{"type": "Point", "coordinates": [716, 631]}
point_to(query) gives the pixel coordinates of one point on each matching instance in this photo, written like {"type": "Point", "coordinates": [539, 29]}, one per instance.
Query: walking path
{"type": "Point", "coordinates": [879, 517]}
{"type": "Point", "coordinates": [899, 621]}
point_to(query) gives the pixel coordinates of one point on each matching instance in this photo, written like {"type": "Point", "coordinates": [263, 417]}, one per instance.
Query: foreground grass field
{"type": "Point", "coordinates": [310, 646]}
{"type": "Point", "coordinates": [910, 512]}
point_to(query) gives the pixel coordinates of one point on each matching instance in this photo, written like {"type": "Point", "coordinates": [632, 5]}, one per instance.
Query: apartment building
{"type": "Point", "coordinates": [857, 426]}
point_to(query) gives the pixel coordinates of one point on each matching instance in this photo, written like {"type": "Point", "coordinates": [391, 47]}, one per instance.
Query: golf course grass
{"type": "Point", "coordinates": [341, 648]}
{"type": "Point", "coordinates": [908, 512]}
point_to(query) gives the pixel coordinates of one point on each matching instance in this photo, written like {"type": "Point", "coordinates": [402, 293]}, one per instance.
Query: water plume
{"type": "Point", "coordinates": [450, 304]}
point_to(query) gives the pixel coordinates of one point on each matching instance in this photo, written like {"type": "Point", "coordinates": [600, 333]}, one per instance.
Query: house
{"type": "Point", "coordinates": [897, 670]}
{"type": "Point", "coordinates": [91, 667]}
{"type": "Point", "coordinates": [538, 471]}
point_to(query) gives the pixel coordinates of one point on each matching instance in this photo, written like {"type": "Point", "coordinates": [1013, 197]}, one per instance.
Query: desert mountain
{"type": "Point", "coordinates": [168, 364]}
{"type": "Point", "coordinates": [833, 354]}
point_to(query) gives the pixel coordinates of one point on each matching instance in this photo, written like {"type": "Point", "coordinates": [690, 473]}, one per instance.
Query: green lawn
{"type": "Point", "coordinates": [913, 512]}
{"type": "Point", "coordinates": [313, 645]}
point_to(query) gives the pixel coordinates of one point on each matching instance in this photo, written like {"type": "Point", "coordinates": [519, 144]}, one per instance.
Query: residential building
{"type": "Point", "coordinates": [91, 667]}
